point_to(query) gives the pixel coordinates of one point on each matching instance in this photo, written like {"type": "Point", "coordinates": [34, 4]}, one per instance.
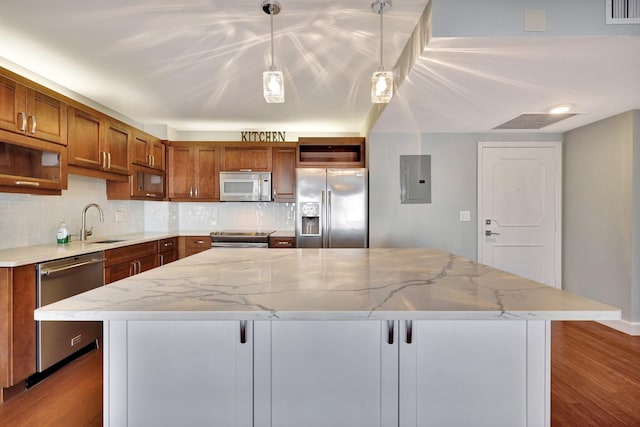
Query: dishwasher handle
{"type": "Point", "coordinates": [49, 271]}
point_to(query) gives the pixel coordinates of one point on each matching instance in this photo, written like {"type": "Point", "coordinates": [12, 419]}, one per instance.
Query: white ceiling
{"type": "Point", "coordinates": [197, 65]}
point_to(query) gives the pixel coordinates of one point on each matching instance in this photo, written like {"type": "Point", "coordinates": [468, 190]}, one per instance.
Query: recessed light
{"type": "Point", "coordinates": [560, 109]}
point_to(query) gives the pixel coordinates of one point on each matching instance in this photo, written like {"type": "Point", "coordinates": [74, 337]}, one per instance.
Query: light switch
{"type": "Point", "coordinates": [465, 216]}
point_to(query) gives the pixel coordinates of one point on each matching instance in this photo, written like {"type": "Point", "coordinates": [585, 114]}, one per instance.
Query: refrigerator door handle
{"type": "Point", "coordinates": [328, 220]}
{"type": "Point", "coordinates": [323, 220]}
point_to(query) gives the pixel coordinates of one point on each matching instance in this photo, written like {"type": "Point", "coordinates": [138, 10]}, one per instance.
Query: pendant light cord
{"type": "Point", "coordinates": [271, 15]}
{"type": "Point", "coordinates": [381, 11]}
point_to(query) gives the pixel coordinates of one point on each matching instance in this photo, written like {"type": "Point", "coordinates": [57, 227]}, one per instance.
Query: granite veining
{"type": "Point", "coordinates": [323, 284]}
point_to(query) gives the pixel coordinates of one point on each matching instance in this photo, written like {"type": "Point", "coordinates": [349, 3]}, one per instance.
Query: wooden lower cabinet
{"type": "Point", "coordinates": [167, 251]}
{"type": "Point", "coordinates": [190, 245]}
{"type": "Point", "coordinates": [17, 327]}
{"type": "Point", "coordinates": [129, 260]}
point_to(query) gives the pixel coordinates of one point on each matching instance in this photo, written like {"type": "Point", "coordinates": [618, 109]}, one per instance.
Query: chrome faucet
{"type": "Point", "coordinates": [83, 230]}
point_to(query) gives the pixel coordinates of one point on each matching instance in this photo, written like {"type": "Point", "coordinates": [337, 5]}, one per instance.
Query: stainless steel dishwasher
{"type": "Point", "coordinates": [57, 280]}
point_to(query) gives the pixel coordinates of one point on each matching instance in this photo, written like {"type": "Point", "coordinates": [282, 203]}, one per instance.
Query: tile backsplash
{"type": "Point", "coordinates": [259, 216]}
{"type": "Point", "coordinates": [32, 220]}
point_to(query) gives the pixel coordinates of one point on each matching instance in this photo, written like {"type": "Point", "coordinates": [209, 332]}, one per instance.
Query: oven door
{"type": "Point", "coordinates": [239, 245]}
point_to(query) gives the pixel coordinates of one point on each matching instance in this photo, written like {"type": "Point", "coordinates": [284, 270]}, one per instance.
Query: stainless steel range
{"type": "Point", "coordinates": [240, 239]}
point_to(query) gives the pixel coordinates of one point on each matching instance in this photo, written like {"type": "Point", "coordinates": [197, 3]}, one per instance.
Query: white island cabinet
{"type": "Point", "coordinates": [187, 373]}
{"type": "Point", "coordinates": [326, 337]}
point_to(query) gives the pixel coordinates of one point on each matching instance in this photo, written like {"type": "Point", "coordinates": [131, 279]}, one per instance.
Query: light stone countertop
{"type": "Point", "coordinates": [325, 284]}
{"type": "Point", "coordinates": [15, 257]}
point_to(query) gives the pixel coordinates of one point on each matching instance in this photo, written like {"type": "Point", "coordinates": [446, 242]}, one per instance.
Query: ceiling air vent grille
{"type": "Point", "coordinates": [623, 12]}
{"type": "Point", "coordinates": [533, 121]}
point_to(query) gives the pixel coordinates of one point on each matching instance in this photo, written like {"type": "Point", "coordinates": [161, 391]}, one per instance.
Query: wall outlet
{"type": "Point", "coordinates": [119, 216]}
{"type": "Point", "coordinates": [465, 216]}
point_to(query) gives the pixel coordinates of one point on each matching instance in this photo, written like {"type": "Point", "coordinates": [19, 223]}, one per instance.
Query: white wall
{"type": "Point", "coordinates": [464, 18]}
{"type": "Point", "coordinates": [601, 212]}
{"type": "Point", "coordinates": [454, 188]}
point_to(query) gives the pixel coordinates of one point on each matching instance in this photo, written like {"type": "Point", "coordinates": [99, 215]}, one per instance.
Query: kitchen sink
{"type": "Point", "coordinates": [110, 241]}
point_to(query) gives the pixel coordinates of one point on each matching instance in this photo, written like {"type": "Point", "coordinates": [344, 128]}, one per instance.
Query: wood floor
{"type": "Point", "coordinates": [595, 381]}
{"type": "Point", "coordinates": [595, 376]}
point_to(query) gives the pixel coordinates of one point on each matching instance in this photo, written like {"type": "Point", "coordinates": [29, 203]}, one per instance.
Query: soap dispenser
{"type": "Point", "coordinates": [62, 234]}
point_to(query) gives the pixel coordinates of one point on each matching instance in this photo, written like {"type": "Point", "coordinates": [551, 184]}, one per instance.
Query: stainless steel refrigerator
{"type": "Point", "coordinates": [331, 208]}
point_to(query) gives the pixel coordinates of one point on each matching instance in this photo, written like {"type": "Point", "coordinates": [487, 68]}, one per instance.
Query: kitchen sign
{"type": "Point", "coordinates": [262, 136]}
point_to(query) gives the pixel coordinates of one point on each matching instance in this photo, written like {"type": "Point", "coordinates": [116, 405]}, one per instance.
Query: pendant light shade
{"type": "Point", "coordinates": [381, 81]}
{"type": "Point", "coordinates": [381, 87]}
{"type": "Point", "coordinates": [272, 80]}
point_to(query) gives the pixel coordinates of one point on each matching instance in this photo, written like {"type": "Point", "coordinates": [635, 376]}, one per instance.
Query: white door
{"type": "Point", "coordinates": [519, 187]}
{"type": "Point", "coordinates": [331, 373]}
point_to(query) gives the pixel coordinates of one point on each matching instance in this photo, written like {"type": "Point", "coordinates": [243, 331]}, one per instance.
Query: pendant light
{"type": "Point", "coordinates": [272, 80]}
{"type": "Point", "coordinates": [381, 80]}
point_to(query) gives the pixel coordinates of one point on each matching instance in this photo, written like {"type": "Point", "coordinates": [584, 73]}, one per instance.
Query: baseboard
{"type": "Point", "coordinates": [629, 328]}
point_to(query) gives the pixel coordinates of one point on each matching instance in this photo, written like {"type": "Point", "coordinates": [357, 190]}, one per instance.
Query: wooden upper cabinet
{"type": "Point", "coordinates": [98, 143]}
{"type": "Point", "coordinates": [116, 146]}
{"type": "Point", "coordinates": [147, 150]}
{"type": "Point", "coordinates": [32, 112]}
{"type": "Point", "coordinates": [283, 179]}
{"type": "Point", "coordinates": [32, 166]}
{"type": "Point", "coordinates": [85, 135]}
{"type": "Point", "coordinates": [193, 171]}
{"type": "Point", "coordinates": [334, 152]}
{"type": "Point", "coordinates": [246, 157]}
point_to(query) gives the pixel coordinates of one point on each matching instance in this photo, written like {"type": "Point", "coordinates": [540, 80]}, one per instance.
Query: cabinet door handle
{"type": "Point", "coordinates": [243, 332]}
{"type": "Point", "coordinates": [409, 327]}
{"type": "Point", "coordinates": [23, 121]}
{"type": "Point", "coordinates": [109, 158]}
{"type": "Point", "coordinates": [33, 124]}
{"type": "Point", "coordinates": [161, 259]}
{"type": "Point", "coordinates": [153, 161]}
{"type": "Point", "coordinates": [30, 183]}
{"type": "Point", "coordinates": [104, 160]}
{"type": "Point", "coordinates": [132, 269]}
{"type": "Point", "coordinates": [190, 191]}
{"type": "Point", "coordinates": [139, 267]}
{"type": "Point", "coordinates": [390, 325]}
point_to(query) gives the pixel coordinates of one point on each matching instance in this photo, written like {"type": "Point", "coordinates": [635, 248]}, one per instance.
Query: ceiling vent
{"type": "Point", "coordinates": [622, 12]}
{"type": "Point", "coordinates": [533, 121]}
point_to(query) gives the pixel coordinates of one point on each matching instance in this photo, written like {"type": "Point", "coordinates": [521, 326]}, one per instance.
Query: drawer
{"type": "Point", "coordinates": [169, 244]}
{"type": "Point", "coordinates": [129, 253]}
{"type": "Point", "coordinates": [282, 242]}
{"type": "Point", "coordinates": [190, 245]}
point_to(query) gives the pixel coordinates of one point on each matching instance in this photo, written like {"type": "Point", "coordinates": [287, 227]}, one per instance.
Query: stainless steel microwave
{"type": "Point", "coordinates": [245, 186]}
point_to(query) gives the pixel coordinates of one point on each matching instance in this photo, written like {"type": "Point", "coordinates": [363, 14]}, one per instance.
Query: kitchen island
{"type": "Point", "coordinates": [318, 337]}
